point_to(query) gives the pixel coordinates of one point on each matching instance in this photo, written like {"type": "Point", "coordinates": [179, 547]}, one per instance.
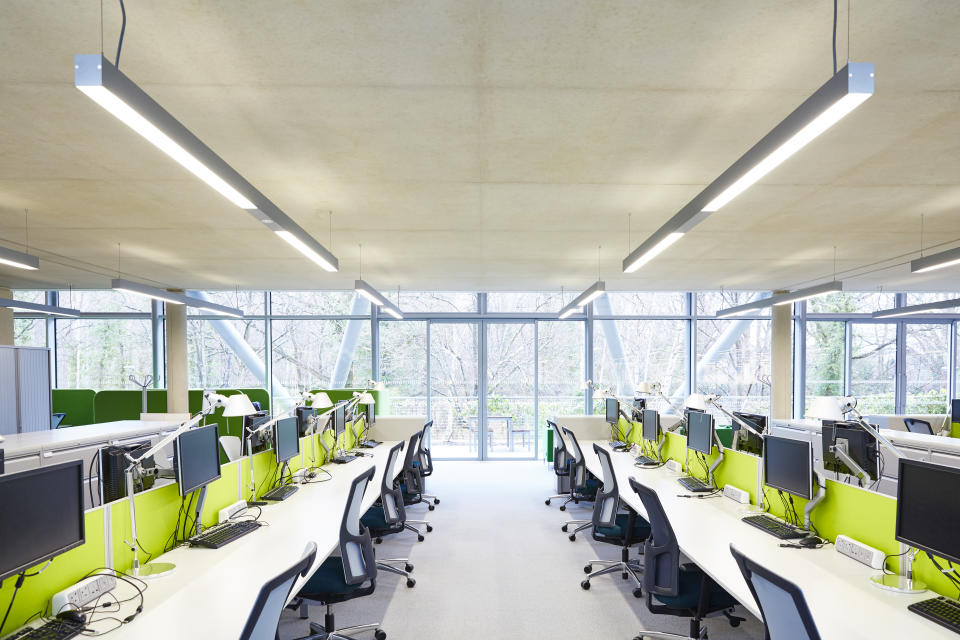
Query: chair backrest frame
{"type": "Point", "coordinates": [411, 474]}
{"type": "Point", "coordinates": [607, 503]}
{"type": "Point", "coordinates": [356, 548]}
{"type": "Point", "coordinates": [661, 552]}
{"type": "Point", "coordinates": [915, 425]}
{"type": "Point", "coordinates": [578, 468]}
{"type": "Point", "coordinates": [265, 615]}
{"type": "Point", "coordinates": [391, 498]}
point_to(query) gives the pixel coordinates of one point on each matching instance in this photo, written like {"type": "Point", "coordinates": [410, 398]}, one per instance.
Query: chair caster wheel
{"type": "Point", "coordinates": [563, 528]}
{"type": "Point", "coordinates": [408, 568]}
{"type": "Point", "coordinates": [734, 623]}
{"type": "Point", "coordinates": [380, 634]}
{"type": "Point", "coordinates": [563, 507]}
{"type": "Point", "coordinates": [573, 537]}
{"type": "Point", "coordinates": [420, 537]}
{"type": "Point", "coordinates": [378, 540]}
{"type": "Point", "coordinates": [588, 568]}
{"type": "Point", "coordinates": [430, 507]}
{"type": "Point", "coordinates": [638, 593]}
{"type": "Point", "coordinates": [429, 528]}
{"type": "Point", "coordinates": [623, 576]}
{"type": "Point", "coordinates": [410, 583]}
{"type": "Point", "coordinates": [546, 502]}
{"type": "Point", "coordinates": [585, 585]}
{"type": "Point", "coordinates": [436, 501]}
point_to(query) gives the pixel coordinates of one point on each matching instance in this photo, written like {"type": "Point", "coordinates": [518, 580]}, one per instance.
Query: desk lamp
{"type": "Point", "coordinates": [363, 398]}
{"type": "Point", "coordinates": [233, 406]}
{"type": "Point", "coordinates": [656, 389]}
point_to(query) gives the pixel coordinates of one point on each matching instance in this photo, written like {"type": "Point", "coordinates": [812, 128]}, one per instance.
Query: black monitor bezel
{"type": "Point", "coordinates": [606, 411]}
{"type": "Point", "coordinates": [643, 425]}
{"type": "Point", "coordinates": [712, 428]}
{"type": "Point", "coordinates": [913, 543]}
{"type": "Point", "coordinates": [370, 415]}
{"type": "Point", "coordinates": [339, 419]}
{"type": "Point", "coordinates": [276, 439]}
{"type": "Point", "coordinates": [766, 450]}
{"type": "Point", "coordinates": [180, 466]}
{"type": "Point", "coordinates": [12, 477]}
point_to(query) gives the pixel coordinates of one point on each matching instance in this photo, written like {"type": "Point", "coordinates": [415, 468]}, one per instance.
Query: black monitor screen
{"type": "Point", "coordinates": [926, 517]}
{"type": "Point", "coordinates": [286, 439]}
{"type": "Point", "coordinates": [613, 411]}
{"type": "Point", "coordinates": [41, 515]}
{"type": "Point", "coordinates": [339, 419]}
{"type": "Point", "coordinates": [371, 418]}
{"type": "Point", "coordinates": [955, 410]}
{"type": "Point", "coordinates": [303, 419]}
{"type": "Point", "coordinates": [858, 445]}
{"type": "Point", "coordinates": [651, 425]}
{"type": "Point", "coordinates": [700, 432]}
{"type": "Point", "coordinates": [788, 465]}
{"type": "Point", "coordinates": [197, 458]}
{"type": "Point", "coordinates": [755, 420]}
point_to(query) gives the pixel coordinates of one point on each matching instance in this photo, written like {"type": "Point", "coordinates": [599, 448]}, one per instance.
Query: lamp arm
{"type": "Point", "coordinates": [869, 428]}
{"type": "Point", "coordinates": [170, 437]}
{"type": "Point", "coordinates": [669, 404]}
{"type": "Point", "coordinates": [743, 423]}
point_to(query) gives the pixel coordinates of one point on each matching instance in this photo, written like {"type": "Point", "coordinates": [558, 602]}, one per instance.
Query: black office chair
{"type": "Point", "coordinates": [265, 616]}
{"type": "Point", "coordinates": [57, 420]}
{"type": "Point", "coordinates": [388, 517]}
{"type": "Point", "coordinates": [411, 484]}
{"type": "Point", "coordinates": [679, 590]}
{"type": "Point", "coordinates": [611, 526]}
{"type": "Point", "coordinates": [915, 425]}
{"type": "Point", "coordinates": [782, 605]}
{"type": "Point", "coordinates": [583, 486]}
{"type": "Point", "coordinates": [425, 462]}
{"type": "Point", "coordinates": [561, 464]}
{"type": "Point", "coordinates": [350, 575]}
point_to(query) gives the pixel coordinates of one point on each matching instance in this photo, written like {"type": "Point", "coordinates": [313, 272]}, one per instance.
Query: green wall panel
{"type": "Point", "coordinates": [76, 403]}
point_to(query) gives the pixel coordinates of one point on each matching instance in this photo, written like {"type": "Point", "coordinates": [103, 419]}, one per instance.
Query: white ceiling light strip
{"type": "Point", "coordinates": [377, 298]}
{"type": "Point", "coordinates": [586, 297]}
{"type": "Point", "coordinates": [936, 261]}
{"type": "Point", "coordinates": [19, 259]}
{"type": "Point", "coordinates": [840, 95]}
{"type": "Point", "coordinates": [103, 83]}
{"type": "Point", "coordinates": [171, 297]}
{"type": "Point", "coordinates": [917, 308]}
{"type": "Point", "coordinates": [48, 309]}
{"type": "Point", "coordinates": [783, 298]}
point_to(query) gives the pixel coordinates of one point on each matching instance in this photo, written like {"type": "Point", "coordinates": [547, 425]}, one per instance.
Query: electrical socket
{"type": "Point", "coordinates": [674, 466]}
{"type": "Point", "coordinates": [862, 553]}
{"type": "Point", "coordinates": [83, 592]}
{"type": "Point", "coordinates": [736, 494]}
{"type": "Point", "coordinates": [303, 475]}
{"type": "Point", "coordinates": [227, 513]}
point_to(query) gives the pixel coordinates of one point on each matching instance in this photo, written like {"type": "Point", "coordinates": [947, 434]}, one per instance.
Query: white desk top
{"type": "Point", "coordinates": [35, 441]}
{"type": "Point", "coordinates": [211, 591]}
{"type": "Point", "coordinates": [838, 590]}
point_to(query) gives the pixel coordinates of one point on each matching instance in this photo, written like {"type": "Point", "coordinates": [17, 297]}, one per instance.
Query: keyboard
{"type": "Point", "coordinates": [776, 528]}
{"type": "Point", "coordinates": [53, 630]}
{"type": "Point", "coordinates": [282, 492]}
{"type": "Point", "coordinates": [645, 460]}
{"type": "Point", "coordinates": [694, 485]}
{"type": "Point", "coordinates": [343, 459]}
{"type": "Point", "coordinates": [368, 444]}
{"type": "Point", "coordinates": [616, 443]}
{"type": "Point", "coordinates": [943, 611]}
{"type": "Point", "coordinates": [222, 534]}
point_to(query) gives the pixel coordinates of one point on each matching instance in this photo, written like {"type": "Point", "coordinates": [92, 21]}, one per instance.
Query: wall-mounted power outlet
{"type": "Point", "coordinates": [228, 513]}
{"type": "Point", "coordinates": [736, 494]}
{"type": "Point", "coordinates": [674, 466]}
{"type": "Point", "coordinates": [83, 592]}
{"type": "Point", "coordinates": [860, 552]}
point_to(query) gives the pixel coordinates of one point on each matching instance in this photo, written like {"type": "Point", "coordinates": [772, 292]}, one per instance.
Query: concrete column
{"type": "Point", "coordinates": [781, 361]}
{"type": "Point", "coordinates": [177, 358]}
{"type": "Point", "coordinates": [6, 319]}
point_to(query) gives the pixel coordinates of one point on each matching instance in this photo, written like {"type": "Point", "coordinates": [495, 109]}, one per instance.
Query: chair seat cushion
{"type": "Point", "coordinates": [641, 530]}
{"type": "Point", "coordinates": [688, 594]}
{"type": "Point", "coordinates": [328, 580]}
{"type": "Point", "coordinates": [375, 519]}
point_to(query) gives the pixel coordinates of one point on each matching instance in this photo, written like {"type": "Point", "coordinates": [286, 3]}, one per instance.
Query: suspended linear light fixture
{"type": "Point", "coordinates": [917, 308]}
{"type": "Point", "coordinates": [840, 95]}
{"type": "Point", "coordinates": [377, 298]}
{"type": "Point", "coordinates": [783, 298]}
{"type": "Point", "coordinates": [49, 309]}
{"type": "Point", "coordinates": [171, 297]}
{"type": "Point", "coordinates": [103, 83]}
{"type": "Point", "coordinates": [936, 261]}
{"type": "Point", "coordinates": [19, 259]}
{"type": "Point", "coordinates": [594, 291]}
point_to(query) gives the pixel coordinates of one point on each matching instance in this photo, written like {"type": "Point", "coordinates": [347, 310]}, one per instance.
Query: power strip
{"type": "Point", "coordinates": [860, 552]}
{"type": "Point", "coordinates": [83, 592]}
{"type": "Point", "coordinates": [735, 494]}
{"type": "Point", "coordinates": [228, 513]}
{"type": "Point", "coordinates": [674, 466]}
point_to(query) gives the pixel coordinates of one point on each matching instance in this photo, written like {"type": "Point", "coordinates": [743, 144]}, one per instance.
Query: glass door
{"type": "Point", "coordinates": [927, 367]}
{"type": "Point", "coordinates": [510, 401]}
{"type": "Point", "coordinates": [453, 363]}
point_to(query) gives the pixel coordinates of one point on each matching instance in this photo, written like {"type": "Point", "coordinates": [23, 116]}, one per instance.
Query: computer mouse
{"type": "Point", "coordinates": [810, 541]}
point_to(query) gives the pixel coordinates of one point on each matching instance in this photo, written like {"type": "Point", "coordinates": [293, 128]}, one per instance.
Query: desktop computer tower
{"type": "Point", "coordinates": [113, 464]}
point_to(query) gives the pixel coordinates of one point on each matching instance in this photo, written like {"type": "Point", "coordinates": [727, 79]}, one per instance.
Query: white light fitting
{"type": "Point", "coordinates": [377, 298]}
{"type": "Point", "coordinates": [48, 309]}
{"type": "Point", "coordinates": [586, 297]}
{"type": "Point", "coordinates": [19, 259]}
{"type": "Point", "coordinates": [783, 298]}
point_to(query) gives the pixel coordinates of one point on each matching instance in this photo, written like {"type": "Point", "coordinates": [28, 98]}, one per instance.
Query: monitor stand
{"type": "Point", "coordinates": [901, 583]}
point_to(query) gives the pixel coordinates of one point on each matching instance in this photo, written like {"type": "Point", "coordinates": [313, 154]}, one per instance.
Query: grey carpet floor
{"type": "Point", "coordinates": [497, 566]}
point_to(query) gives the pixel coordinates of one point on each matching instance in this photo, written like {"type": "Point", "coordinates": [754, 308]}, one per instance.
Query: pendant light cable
{"type": "Point", "coordinates": [123, 28]}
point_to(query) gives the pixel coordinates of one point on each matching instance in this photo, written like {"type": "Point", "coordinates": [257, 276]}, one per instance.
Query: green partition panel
{"type": "Point", "coordinates": [76, 403]}
{"type": "Point", "coordinates": [127, 404]}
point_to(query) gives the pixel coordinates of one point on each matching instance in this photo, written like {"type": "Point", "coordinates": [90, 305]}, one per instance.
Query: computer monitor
{"type": "Point", "coordinates": [858, 444]}
{"type": "Point", "coordinates": [750, 442]}
{"type": "Point", "coordinates": [651, 425]}
{"type": "Point", "coordinates": [286, 439]}
{"type": "Point", "coordinates": [788, 465]}
{"type": "Point", "coordinates": [700, 432]}
{"type": "Point", "coordinates": [42, 515]}
{"type": "Point", "coordinates": [339, 419]}
{"type": "Point", "coordinates": [371, 418]}
{"type": "Point", "coordinates": [613, 411]}
{"type": "Point", "coordinates": [113, 464]}
{"type": "Point", "coordinates": [303, 419]}
{"type": "Point", "coordinates": [639, 404]}
{"type": "Point", "coordinates": [955, 410]}
{"type": "Point", "coordinates": [250, 423]}
{"type": "Point", "coordinates": [926, 517]}
{"type": "Point", "coordinates": [196, 458]}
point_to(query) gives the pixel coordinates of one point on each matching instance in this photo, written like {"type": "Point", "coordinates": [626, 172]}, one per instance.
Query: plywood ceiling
{"type": "Point", "coordinates": [480, 144]}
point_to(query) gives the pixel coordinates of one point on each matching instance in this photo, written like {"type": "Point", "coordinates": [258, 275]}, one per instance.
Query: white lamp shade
{"type": "Point", "coordinates": [366, 398]}
{"type": "Point", "coordinates": [696, 401]}
{"type": "Point", "coordinates": [644, 387]}
{"type": "Point", "coordinates": [321, 400]}
{"type": "Point", "coordinates": [238, 405]}
{"type": "Point", "coordinates": [825, 408]}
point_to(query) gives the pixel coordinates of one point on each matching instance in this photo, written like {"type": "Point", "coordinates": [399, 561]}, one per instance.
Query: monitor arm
{"type": "Point", "coordinates": [850, 406]}
{"type": "Point", "coordinates": [813, 502]}
{"type": "Point", "coordinates": [840, 450]}
{"type": "Point", "coordinates": [716, 463]}
{"type": "Point", "coordinates": [742, 423]}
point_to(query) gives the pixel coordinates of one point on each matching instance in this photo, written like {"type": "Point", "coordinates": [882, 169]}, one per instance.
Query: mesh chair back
{"type": "Point", "coordinates": [426, 459]}
{"type": "Point", "coordinates": [782, 605]}
{"type": "Point", "coordinates": [918, 426]}
{"type": "Point", "coordinates": [578, 470]}
{"type": "Point", "coordinates": [661, 553]}
{"type": "Point", "coordinates": [356, 550]}
{"type": "Point", "coordinates": [265, 615]}
{"type": "Point", "coordinates": [411, 475]}
{"type": "Point", "coordinates": [560, 457]}
{"type": "Point", "coordinates": [608, 498]}
{"type": "Point", "coordinates": [390, 495]}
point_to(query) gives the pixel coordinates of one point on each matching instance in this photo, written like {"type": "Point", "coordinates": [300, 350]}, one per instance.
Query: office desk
{"type": "Point", "coordinates": [211, 591]}
{"type": "Point", "coordinates": [844, 603]}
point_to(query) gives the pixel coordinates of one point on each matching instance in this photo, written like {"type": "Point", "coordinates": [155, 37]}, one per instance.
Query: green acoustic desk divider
{"type": "Point", "coordinates": [126, 404]}
{"type": "Point", "coordinates": [77, 404]}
